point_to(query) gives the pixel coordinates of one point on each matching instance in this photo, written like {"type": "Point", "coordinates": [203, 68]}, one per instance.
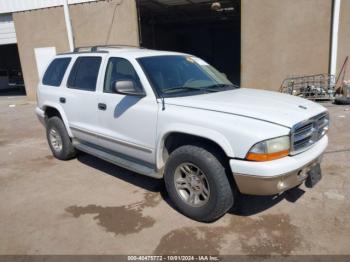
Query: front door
{"type": "Point", "coordinates": [128, 122]}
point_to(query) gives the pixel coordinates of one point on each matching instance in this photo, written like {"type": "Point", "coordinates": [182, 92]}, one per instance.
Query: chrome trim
{"type": "Point", "coordinates": [114, 140]}
{"type": "Point", "coordinates": [307, 135]}
{"type": "Point", "coordinates": [130, 163]}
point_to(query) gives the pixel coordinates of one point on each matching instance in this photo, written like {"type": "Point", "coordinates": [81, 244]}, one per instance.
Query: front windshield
{"type": "Point", "coordinates": [174, 75]}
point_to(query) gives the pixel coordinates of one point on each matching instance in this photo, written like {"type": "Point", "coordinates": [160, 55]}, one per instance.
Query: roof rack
{"type": "Point", "coordinates": [97, 47]}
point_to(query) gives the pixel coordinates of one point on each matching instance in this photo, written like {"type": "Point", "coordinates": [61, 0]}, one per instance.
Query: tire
{"type": "Point", "coordinates": [63, 149]}
{"type": "Point", "coordinates": [181, 164]}
{"type": "Point", "coordinates": [342, 101]}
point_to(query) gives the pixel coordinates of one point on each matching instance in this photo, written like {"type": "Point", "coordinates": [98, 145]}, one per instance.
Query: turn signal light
{"type": "Point", "coordinates": [270, 149]}
{"type": "Point", "coordinates": [267, 157]}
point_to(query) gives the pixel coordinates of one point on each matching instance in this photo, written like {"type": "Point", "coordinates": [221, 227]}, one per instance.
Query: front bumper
{"type": "Point", "coordinates": [277, 176]}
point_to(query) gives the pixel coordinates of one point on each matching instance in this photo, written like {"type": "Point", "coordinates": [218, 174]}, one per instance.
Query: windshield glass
{"type": "Point", "coordinates": [175, 75]}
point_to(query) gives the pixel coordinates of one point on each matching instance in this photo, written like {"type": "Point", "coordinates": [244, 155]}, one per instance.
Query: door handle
{"type": "Point", "coordinates": [62, 100]}
{"type": "Point", "coordinates": [102, 106]}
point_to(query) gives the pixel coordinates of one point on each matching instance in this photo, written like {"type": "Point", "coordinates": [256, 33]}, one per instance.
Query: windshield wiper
{"type": "Point", "coordinates": [216, 86]}
{"type": "Point", "coordinates": [181, 88]}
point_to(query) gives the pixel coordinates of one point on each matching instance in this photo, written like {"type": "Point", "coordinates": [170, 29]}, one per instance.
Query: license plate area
{"type": "Point", "coordinates": [314, 175]}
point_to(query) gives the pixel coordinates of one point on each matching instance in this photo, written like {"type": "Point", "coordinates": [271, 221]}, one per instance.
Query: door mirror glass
{"type": "Point", "coordinates": [127, 87]}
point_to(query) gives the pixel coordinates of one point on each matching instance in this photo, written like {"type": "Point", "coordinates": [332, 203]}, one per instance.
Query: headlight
{"type": "Point", "coordinates": [270, 149]}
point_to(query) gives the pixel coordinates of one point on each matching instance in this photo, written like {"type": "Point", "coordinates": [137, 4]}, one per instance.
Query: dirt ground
{"type": "Point", "coordinates": [88, 206]}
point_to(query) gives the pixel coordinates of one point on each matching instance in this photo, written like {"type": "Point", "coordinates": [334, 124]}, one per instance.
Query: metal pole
{"type": "Point", "coordinates": [68, 25]}
{"type": "Point", "coordinates": [334, 44]}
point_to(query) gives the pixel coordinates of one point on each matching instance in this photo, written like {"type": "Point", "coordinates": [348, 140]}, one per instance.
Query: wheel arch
{"type": "Point", "coordinates": [209, 138]}
{"type": "Point", "coordinates": [56, 110]}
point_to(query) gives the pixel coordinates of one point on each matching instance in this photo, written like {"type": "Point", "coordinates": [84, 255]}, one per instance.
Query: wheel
{"type": "Point", "coordinates": [59, 140]}
{"type": "Point", "coordinates": [197, 183]}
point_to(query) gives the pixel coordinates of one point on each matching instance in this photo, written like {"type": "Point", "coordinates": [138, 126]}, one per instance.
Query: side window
{"type": "Point", "coordinates": [84, 73]}
{"type": "Point", "coordinates": [119, 69]}
{"type": "Point", "coordinates": [55, 72]}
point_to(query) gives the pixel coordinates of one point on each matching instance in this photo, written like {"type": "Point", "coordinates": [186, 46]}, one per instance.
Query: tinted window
{"type": "Point", "coordinates": [119, 69]}
{"type": "Point", "coordinates": [55, 72]}
{"type": "Point", "coordinates": [171, 75]}
{"type": "Point", "coordinates": [84, 73]}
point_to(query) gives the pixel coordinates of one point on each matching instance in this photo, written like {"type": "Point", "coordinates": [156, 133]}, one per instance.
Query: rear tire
{"type": "Point", "coordinates": [59, 140]}
{"type": "Point", "coordinates": [194, 171]}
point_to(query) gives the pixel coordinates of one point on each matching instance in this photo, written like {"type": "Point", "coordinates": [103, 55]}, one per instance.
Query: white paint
{"type": "Point", "coordinates": [68, 25]}
{"type": "Point", "coordinates": [43, 56]}
{"type": "Point", "coordinates": [335, 30]}
{"type": "Point", "coordinates": [199, 61]}
{"type": "Point", "coordinates": [10, 6]}
{"type": "Point", "coordinates": [235, 120]}
{"type": "Point", "coordinates": [7, 30]}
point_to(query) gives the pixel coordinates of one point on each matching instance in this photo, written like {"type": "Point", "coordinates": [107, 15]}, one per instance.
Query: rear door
{"type": "Point", "coordinates": [79, 98]}
{"type": "Point", "coordinates": [51, 87]}
{"type": "Point", "coordinates": [128, 122]}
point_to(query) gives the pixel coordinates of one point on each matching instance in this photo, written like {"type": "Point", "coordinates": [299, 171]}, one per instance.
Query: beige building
{"type": "Point", "coordinates": [256, 43]}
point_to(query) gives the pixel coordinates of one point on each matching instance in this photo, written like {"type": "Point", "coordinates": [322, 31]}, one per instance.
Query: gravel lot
{"type": "Point", "coordinates": [88, 206]}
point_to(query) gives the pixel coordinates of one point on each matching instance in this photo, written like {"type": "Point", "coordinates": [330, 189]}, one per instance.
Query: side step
{"type": "Point", "coordinates": [135, 165]}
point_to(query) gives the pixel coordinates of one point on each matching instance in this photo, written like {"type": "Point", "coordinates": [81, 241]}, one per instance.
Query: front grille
{"type": "Point", "coordinates": [307, 133]}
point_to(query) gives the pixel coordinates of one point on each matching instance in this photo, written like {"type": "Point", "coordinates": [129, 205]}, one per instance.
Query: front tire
{"type": "Point", "coordinates": [59, 140]}
{"type": "Point", "coordinates": [197, 183]}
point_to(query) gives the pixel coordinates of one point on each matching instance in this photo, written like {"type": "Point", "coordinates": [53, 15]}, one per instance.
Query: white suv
{"type": "Point", "coordinates": [173, 116]}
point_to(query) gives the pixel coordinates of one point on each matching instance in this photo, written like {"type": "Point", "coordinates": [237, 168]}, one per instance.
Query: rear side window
{"type": "Point", "coordinates": [55, 72]}
{"type": "Point", "coordinates": [84, 73]}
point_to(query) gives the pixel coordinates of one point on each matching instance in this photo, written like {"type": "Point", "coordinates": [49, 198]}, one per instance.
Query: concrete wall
{"type": "Point", "coordinates": [283, 37]}
{"type": "Point", "coordinates": [344, 37]}
{"type": "Point", "coordinates": [39, 28]}
{"type": "Point", "coordinates": [91, 26]}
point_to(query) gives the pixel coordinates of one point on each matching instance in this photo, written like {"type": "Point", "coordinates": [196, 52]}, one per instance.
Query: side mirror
{"type": "Point", "coordinates": [127, 87]}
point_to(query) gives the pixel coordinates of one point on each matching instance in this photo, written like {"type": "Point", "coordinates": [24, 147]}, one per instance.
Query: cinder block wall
{"type": "Point", "coordinates": [344, 37]}
{"type": "Point", "coordinates": [283, 37]}
{"type": "Point", "coordinates": [91, 26]}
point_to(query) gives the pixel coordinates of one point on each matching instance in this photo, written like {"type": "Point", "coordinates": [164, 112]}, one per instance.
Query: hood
{"type": "Point", "coordinates": [278, 108]}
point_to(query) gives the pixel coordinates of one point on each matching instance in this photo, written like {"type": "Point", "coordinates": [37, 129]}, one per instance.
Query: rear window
{"type": "Point", "coordinates": [55, 72]}
{"type": "Point", "coordinates": [84, 73]}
